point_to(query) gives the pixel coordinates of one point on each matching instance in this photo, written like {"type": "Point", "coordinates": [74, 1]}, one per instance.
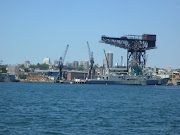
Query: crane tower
{"type": "Point", "coordinates": [91, 58]}
{"type": "Point", "coordinates": [136, 47]}
{"type": "Point", "coordinates": [60, 66]}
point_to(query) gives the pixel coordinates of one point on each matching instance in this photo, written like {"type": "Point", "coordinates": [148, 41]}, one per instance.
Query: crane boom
{"type": "Point", "coordinates": [106, 61]}
{"type": "Point", "coordinates": [136, 47]}
{"type": "Point", "coordinates": [134, 42]}
{"type": "Point", "coordinates": [65, 53]}
{"type": "Point", "coordinates": [89, 50]}
{"type": "Point", "coordinates": [91, 62]}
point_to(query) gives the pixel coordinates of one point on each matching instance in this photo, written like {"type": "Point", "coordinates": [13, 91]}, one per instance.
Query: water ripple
{"type": "Point", "coordinates": [50, 109]}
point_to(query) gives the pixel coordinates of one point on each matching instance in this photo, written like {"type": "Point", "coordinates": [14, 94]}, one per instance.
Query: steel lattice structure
{"type": "Point", "coordinates": [136, 47]}
{"type": "Point", "coordinates": [61, 62]}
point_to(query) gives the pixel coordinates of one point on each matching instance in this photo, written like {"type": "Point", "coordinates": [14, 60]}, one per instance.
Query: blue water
{"type": "Point", "coordinates": [49, 108]}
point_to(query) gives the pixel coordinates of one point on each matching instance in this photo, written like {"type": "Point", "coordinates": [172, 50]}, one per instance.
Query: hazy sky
{"type": "Point", "coordinates": [35, 29]}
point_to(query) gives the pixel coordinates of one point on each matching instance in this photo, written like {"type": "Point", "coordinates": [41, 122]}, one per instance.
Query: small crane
{"type": "Point", "coordinates": [61, 61]}
{"type": "Point", "coordinates": [91, 62]}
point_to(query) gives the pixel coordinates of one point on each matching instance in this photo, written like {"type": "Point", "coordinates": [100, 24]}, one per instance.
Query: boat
{"type": "Point", "coordinates": [5, 77]}
{"type": "Point", "coordinates": [129, 80]}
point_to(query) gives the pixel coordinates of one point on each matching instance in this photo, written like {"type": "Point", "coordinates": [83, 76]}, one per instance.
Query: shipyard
{"type": "Point", "coordinates": [89, 67]}
{"type": "Point", "coordinates": [134, 72]}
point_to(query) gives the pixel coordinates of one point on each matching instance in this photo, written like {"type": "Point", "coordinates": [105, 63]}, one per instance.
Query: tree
{"type": "Point", "coordinates": [68, 68]}
{"type": "Point", "coordinates": [22, 66]}
{"type": "Point", "coordinates": [22, 76]}
{"type": "Point", "coordinates": [80, 68]}
{"type": "Point", "coordinates": [40, 66]}
{"type": "Point", "coordinates": [26, 69]}
{"type": "Point", "coordinates": [3, 68]}
{"type": "Point", "coordinates": [44, 66]}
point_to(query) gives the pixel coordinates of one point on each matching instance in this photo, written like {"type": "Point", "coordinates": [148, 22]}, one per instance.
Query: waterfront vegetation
{"type": "Point", "coordinates": [40, 66]}
{"type": "Point", "coordinates": [79, 68]}
{"type": "Point", "coordinates": [3, 68]}
{"type": "Point", "coordinates": [22, 76]}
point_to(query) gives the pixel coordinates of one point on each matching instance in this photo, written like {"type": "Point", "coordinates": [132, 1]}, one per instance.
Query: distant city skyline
{"type": "Point", "coordinates": [48, 60]}
{"type": "Point", "coordinates": [33, 30]}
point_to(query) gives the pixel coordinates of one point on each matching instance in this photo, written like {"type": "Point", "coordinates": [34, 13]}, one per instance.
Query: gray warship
{"type": "Point", "coordinates": [136, 47]}
{"type": "Point", "coordinates": [129, 80]}
{"type": "Point", "coordinates": [5, 77]}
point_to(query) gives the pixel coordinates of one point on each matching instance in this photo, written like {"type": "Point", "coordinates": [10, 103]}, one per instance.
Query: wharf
{"type": "Point", "coordinates": [75, 81]}
{"type": "Point", "coordinates": [37, 81]}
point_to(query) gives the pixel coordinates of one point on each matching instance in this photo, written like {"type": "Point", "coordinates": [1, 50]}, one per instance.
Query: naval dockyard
{"type": "Point", "coordinates": [133, 72]}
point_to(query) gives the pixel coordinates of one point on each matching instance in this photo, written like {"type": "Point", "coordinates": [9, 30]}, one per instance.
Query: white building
{"type": "Point", "coordinates": [75, 63]}
{"type": "Point", "coordinates": [85, 64]}
{"type": "Point", "coordinates": [13, 70]}
{"type": "Point", "coordinates": [27, 64]}
{"type": "Point", "coordinates": [68, 64]}
{"type": "Point", "coordinates": [56, 62]}
{"type": "Point", "coordinates": [46, 61]}
{"type": "Point", "coordinates": [169, 68]}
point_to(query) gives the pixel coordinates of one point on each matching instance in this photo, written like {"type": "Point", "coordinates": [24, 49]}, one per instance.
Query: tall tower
{"type": "Point", "coordinates": [109, 56]}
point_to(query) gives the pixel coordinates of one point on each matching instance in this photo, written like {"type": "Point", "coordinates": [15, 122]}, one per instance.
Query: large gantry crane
{"type": "Point", "coordinates": [136, 47]}
{"type": "Point", "coordinates": [60, 66]}
{"type": "Point", "coordinates": [91, 58]}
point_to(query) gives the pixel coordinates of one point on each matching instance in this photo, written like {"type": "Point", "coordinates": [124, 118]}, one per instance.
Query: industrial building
{"type": "Point", "coordinates": [76, 75]}
{"type": "Point", "coordinates": [67, 75]}
{"type": "Point", "coordinates": [40, 77]}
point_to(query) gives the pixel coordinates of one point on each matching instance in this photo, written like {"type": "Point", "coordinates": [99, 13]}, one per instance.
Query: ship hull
{"type": "Point", "coordinates": [134, 81]}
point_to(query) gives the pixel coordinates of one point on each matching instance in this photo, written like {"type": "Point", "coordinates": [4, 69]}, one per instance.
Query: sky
{"type": "Point", "coordinates": [34, 29]}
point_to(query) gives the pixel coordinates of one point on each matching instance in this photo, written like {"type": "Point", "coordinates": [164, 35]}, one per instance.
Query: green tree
{"type": "Point", "coordinates": [80, 68]}
{"type": "Point", "coordinates": [26, 69]}
{"type": "Point", "coordinates": [22, 66]}
{"type": "Point", "coordinates": [22, 76]}
{"type": "Point", "coordinates": [40, 66]}
{"type": "Point", "coordinates": [3, 68]}
{"type": "Point", "coordinates": [69, 68]}
{"type": "Point", "coordinates": [44, 66]}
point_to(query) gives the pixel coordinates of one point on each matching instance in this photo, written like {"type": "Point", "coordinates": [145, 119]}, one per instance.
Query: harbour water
{"type": "Point", "coordinates": [71, 109]}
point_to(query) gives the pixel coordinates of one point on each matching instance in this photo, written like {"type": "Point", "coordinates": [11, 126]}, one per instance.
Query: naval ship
{"type": "Point", "coordinates": [5, 77]}
{"type": "Point", "coordinates": [129, 80]}
{"type": "Point", "coordinates": [134, 76]}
